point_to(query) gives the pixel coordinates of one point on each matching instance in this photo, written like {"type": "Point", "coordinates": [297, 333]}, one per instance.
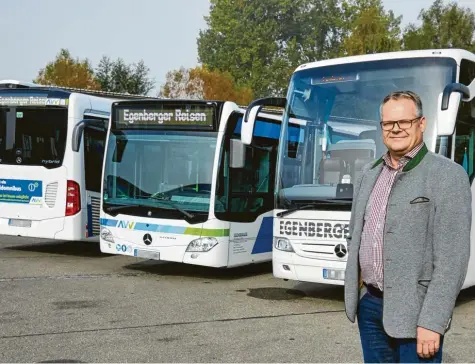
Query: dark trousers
{"type": "Point", "coordinates": [379, 347]}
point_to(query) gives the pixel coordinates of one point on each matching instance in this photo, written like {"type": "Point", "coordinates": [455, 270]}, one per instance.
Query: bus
{"type": "Point", "coordinates": [174, 191]}
{"type": "Point", "coordinates": [338, 102]}
{"type": "Point", "coordinates": [51, 150]}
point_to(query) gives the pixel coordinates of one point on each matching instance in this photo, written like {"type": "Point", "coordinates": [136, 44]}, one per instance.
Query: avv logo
{"type": "Point", "coordinates": [126, 224]}
{"type": "Point", "coordinates": [36, 200]}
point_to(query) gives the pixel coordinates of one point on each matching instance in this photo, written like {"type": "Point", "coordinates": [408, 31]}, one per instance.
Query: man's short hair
{"type": "Point", "coordinates": [397, 95]}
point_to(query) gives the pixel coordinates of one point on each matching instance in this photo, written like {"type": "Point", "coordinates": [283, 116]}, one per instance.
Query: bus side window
{"type": "Point", "coordinates": [94, 144]}
{"type": "Point", "coordinates": [465, 127]}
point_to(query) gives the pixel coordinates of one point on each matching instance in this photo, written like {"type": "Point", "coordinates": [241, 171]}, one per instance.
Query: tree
{"type": "Point", "coordinates": [203, 83]}
{"type": "Point", "coordinates": [117, 76]}
{"type": "Point", "coordinates": [370, 29]}
{"type": "Point", "coordinates": [68, 72]}
{"type": "Point", "coordinates": [179, 85]}
{"type": "Point", "coordinates": [443, 26]}
{"type": "Point", "coordinates": [260, 43]}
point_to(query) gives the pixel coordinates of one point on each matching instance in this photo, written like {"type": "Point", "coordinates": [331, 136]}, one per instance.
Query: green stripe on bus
{"type": "Point", "coordinates": [206, 232]}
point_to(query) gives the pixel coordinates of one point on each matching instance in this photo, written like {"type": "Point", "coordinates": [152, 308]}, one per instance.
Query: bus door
{"type": "Point", "coordinates": [94, 145]}
{"type": "Point", "coordinates": [251, 204]}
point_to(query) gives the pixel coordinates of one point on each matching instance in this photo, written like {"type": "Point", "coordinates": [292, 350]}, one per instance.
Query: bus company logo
{"type": "Point", "coordinates": [240, 235]}
{"type": "Point", "coordinates": [126, 224]}
{"type": "Point", "coordinates": [311, 229]}
{"type": "Point", "coordinates": [36, 201]}
{"type": "Point", "coordinates": [340, 250]}
{"type": "Point", "coordinates": [147, 239]}
{"type": "Point", "coordinates": [161, 117]}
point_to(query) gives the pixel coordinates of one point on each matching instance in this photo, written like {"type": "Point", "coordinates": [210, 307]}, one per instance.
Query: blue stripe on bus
{"type": "Point", "coordinates": [263, 243]}
{"type": "Point", "coordinates": [271, 130]}
{"type": "Point", "coordinates": [170, 229]}
{"type": "Point", "coordinates": [109, 222]}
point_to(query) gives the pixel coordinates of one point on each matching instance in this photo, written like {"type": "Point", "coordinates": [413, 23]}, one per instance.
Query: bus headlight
{"type": "Point", "coordinates": [107, 235]}
{"type": "Point", "coordinates": [283, 244]}
{"type": "Point", "coordinates": [202, 245]}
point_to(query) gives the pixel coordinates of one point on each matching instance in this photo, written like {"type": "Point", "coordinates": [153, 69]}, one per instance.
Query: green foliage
{"type": "Point", "coordinates": [260, 43]}
{"type": "Point", "coordinates": [117, 76]}
{"type": "Point", "coordinates": [114, 76]}
{"type": "Point", "coordinates": [443, 26]}
{"type": "Point", "coordinates": [370, 29]}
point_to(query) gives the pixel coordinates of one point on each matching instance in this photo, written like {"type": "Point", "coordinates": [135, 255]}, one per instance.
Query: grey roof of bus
{"type": "Point", "coordinates": [15, 84]}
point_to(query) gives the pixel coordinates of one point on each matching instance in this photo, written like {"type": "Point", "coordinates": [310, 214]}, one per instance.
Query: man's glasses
{"type": "Point", "coordinates": [402, 124]}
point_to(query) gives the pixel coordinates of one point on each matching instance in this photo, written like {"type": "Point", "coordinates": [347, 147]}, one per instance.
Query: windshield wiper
{"type": "Point", "coordinates": [171, 204]}
{"type": "Point", "coordinates": [120, 207]}
{"type": "Point", "coordinates": [316, 203]}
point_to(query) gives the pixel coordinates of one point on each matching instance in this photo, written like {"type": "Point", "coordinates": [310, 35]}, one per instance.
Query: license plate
{"type": "Point", "coordinates": [139, 253]}
{"type": "Point", "coordinates": [336, 274]}
{"type": "Point", "coordinates": [19, 223]}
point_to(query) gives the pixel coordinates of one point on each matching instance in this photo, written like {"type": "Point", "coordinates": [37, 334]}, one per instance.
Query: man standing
{"type": "Point", "coordinates": [409, 241]}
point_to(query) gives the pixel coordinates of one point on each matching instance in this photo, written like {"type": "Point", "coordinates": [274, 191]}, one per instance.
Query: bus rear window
{"type": "Point", "coordinates": [32, 136]}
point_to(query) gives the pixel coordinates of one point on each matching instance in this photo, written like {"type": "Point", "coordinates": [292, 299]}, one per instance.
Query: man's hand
{"type": "Point", "coordinates": [428, 343]}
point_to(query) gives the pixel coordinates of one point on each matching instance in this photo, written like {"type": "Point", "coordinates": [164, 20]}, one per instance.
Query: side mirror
{"type": "Point", "coordinates": [237, 154]}
{"type": "Point", "coordinates": [461, 89]}
{"type": "Point", "coordinates": [448, 107]}
{"type": "Point", "coordinates": [247, 128]}
{"type": "Point", "coordinates": [79, 130]}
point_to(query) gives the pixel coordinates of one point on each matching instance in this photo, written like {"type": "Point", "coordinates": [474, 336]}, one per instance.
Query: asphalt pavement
{"type": "Point", "coordinates": [68, 302]}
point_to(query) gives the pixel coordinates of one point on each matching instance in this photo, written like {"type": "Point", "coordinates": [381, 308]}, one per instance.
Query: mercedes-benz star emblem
{"type": "Point", "coordinates": [147, 239]}
{"type": "Point", "coordinates": [340, 250]}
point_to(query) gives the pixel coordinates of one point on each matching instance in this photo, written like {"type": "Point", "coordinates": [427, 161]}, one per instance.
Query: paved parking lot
{"type": "Point", "coordinates": [67, 302]}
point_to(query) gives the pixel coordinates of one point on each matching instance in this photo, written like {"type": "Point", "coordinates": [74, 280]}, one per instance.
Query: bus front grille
{"type": "Point", "coordinates": [318, 250]}
{"type": "Point", "coordinates": [96, 210]}
{"type": "Point", "coordinates": [50, 194]}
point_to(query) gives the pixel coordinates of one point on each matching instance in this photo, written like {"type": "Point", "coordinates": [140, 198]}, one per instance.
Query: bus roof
{"type": "Point", "coordinates": [16, 84]}
{"type": "Point", "coordinates": [454, 53]}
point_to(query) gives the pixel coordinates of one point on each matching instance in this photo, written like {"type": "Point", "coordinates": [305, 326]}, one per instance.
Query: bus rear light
{"type": "Point", "coordinates": [73, 198]}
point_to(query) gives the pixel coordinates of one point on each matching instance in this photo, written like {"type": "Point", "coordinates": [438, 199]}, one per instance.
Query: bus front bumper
{"type": "Point", "coordinates": [291, 266]}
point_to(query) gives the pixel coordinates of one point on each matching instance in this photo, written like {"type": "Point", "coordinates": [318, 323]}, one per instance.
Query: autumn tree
{"type": "Point", "coordinates": [117, 76]}
{"type": "Point", "coordinates": [68, 72]}
{"type": "Point", "coordinates": [179, 85]}
{"type": "Point", "coordinates": [443, 26]}
{"type": "Point", "coordinates": [370, 28]}
{"type": "Point", "coordinates": [202, 83]}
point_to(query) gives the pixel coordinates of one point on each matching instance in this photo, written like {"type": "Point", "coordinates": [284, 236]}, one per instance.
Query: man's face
{"type": "Point", "coordinates": [397, 140]}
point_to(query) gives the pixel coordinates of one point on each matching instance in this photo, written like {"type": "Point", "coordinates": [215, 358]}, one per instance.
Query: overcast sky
{"type": "Point", "coordinates": [161, 32]}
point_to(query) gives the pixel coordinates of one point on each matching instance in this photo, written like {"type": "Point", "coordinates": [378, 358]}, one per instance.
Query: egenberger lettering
{"type": "Point", "coordinates": [161, 117]}
{"type": "Point", "coordinates": [310, 229]}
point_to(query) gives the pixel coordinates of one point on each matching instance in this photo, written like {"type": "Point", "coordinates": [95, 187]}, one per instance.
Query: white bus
{"type": "Point", "coordinates": [172, 190]}
{"type": "Point", "coordinates": [51, 150]}
{"type": "Point", "coordinates": [338, 102]}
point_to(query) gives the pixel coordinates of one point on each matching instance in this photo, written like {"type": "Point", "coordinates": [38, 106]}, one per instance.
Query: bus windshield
{"type": "Point", "coordinates": [339, 108]}
{"type": "Point", "coordinates": [33, 136]}
{"type": "Point", "coordinates": [159, 172]}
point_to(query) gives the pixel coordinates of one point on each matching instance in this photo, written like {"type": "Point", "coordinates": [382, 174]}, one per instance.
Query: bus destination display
{"type": "Point", "coordinates": [13, 101]}
{"type": "Point", "coordinates": [180, 115]}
